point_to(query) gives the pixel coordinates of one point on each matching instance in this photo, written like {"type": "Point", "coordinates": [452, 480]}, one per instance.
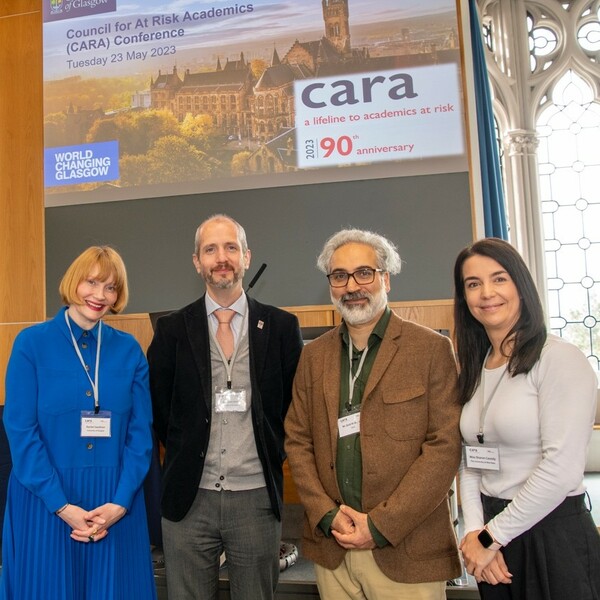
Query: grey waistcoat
{"type": "Point", "coordinates": [232, 461]}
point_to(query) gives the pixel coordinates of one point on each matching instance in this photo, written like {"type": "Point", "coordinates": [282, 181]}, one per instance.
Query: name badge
{"type": "Point", "coordinates": [95, 425]}
{"type": "Point", "coordinates": [227, 400]}
{"type": "Point", "coordinates": [349, 424]}
{"type": "Point", "coordinates": [482, 457]}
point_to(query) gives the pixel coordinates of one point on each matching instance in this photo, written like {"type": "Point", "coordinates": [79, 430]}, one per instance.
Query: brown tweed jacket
{"type": "Point", "coordinates": [410, 444]}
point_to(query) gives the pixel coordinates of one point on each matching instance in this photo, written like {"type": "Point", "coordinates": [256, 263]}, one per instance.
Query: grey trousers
{"type": "Point", "coordinates": [240, 523]}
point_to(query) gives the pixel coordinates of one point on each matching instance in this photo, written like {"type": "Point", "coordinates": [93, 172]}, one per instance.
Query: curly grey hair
{"type": "Point", "coordinates": [388, 258]}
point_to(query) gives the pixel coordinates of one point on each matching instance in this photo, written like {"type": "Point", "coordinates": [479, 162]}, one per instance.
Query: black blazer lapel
{"type": "Point", "coordinates": [258, 336]}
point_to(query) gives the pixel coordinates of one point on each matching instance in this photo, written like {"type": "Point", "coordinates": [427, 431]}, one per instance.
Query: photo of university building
{"type": "Point", "coordinates": [261, 109]}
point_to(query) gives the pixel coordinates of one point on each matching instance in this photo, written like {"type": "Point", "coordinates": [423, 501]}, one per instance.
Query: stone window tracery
{"type": "Point", "coordinates": [542, 58]}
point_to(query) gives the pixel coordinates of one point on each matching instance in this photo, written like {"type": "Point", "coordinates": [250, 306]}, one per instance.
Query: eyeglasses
{"type": "Point", "coordinates": [362, 276]}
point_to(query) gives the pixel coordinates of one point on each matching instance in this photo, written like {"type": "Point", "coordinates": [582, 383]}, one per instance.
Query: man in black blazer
{"type": "Point", "coordinates": [220, 394]}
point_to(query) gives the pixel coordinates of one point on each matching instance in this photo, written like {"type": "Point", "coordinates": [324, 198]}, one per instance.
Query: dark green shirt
{"type": "Point", "coordinates": [349, 456]}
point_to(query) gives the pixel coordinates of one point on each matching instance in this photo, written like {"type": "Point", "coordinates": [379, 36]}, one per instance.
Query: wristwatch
{"type": "Point", "coordinates": [486, 539]}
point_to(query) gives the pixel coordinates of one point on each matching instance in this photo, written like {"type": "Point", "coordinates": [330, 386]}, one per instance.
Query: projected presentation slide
{"type": "Point", "coordinates": [158, 98]}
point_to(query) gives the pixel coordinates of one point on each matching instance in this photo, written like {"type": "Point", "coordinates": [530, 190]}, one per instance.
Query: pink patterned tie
{"type": "Point", "coordinates": [224, 331]}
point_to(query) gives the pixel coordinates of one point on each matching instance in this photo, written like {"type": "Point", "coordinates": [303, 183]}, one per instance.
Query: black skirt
{"type": "Point", "coordinates": [557, 559]}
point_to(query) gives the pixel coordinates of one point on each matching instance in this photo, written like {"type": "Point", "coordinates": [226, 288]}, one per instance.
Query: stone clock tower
{"type": "Point", "coordinates": [337, 25]}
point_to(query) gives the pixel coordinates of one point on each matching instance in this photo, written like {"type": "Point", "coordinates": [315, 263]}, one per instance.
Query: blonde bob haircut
{"type": "Point", "coordinates": [107, 262]}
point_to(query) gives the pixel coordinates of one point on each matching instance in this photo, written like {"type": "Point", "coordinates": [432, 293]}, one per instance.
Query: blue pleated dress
{"type": "Point", "coordinates": [46, 390]}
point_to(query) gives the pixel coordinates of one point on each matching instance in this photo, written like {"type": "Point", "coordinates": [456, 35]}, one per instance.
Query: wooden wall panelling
{"type": "Point", "coordinates": [22, 254]}
{"type": "Point", "coordinates": [138, 325]}
{"type": "Point", "coordinates": [8, 333]}
{"type": "Point", "coordinates": [313, 316]}
{"type": "Point", "coordinates": [22, 264]}
{"type": "Point", "coordinates": [19, 7]}
{"type": "Point", "coordinates": [437, 314]}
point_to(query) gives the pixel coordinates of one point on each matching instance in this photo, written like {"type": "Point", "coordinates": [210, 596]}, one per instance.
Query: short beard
{"type": "Point", "coordinates": [221, 283]}
{"type": "Point", "coordinates": [359, 315]}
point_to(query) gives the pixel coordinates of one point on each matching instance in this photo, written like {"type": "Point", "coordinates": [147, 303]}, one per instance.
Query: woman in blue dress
{"type": "Point", "coordinates": [78, 420]}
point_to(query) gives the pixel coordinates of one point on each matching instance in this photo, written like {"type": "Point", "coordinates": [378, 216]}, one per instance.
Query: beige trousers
{"type": "Point", "coordinates": [359, 578]}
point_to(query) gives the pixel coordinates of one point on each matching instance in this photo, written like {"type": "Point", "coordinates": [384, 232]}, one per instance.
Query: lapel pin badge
{"type": "Point", "coordinates": [260, 324]}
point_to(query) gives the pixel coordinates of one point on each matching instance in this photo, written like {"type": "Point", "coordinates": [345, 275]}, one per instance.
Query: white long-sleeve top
{"type": "Point", "coordinates": [542, 423]}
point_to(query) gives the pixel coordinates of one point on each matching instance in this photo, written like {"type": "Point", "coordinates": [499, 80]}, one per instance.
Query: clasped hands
{"type": "Point", "coordinates": [351, 530]}
{"type": "Point", "coordinates": [484, 564]}
{"type": "Point", "coordinates": [93, 525]}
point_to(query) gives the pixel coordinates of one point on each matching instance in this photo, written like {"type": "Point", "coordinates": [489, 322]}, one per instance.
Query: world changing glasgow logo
{"type": "Point", "coordinates": [87, 163]}
{"type": "Point", "coordinates": [57, 10]}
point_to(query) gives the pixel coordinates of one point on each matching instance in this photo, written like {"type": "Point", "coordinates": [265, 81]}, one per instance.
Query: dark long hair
{"type": "Point", "coordinates": [528, 335]}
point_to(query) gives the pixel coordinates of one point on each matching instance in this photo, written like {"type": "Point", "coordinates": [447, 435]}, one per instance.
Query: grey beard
{"type": "Point", "coordinates": [358, 315]}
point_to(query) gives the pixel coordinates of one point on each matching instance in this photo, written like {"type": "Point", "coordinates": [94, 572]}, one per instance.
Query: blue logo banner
{"type": "Point", "coordinates": [86, 163]}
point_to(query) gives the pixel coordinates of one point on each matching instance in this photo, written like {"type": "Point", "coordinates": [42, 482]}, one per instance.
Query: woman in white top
{"type": "Point", "coordinates": [529, 404]}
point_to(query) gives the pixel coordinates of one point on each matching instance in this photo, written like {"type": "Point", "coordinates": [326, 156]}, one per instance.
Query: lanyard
{"type": "Point", "coordinates": [351, 379]}
{"type": "Point", "coordinates": [94, 383]}
{"type": "Point", "coordinates": [484, 407]}
{"type": "Point", "coordinates": [228, 364]}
